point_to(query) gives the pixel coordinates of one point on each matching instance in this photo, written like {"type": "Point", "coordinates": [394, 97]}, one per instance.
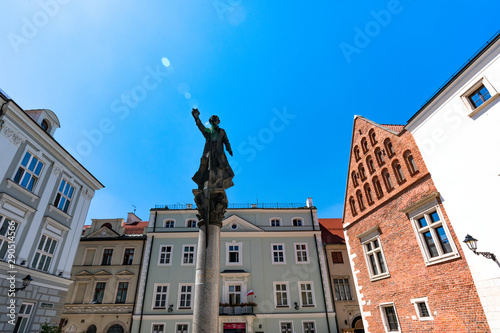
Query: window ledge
{"type": "Point", "coordinates": [11, 183]}
{"type": "Point", "coordinates": [449, 256]}
{"type": "Point", "coordinates": [380, 277]}
{"type": "Point", "coordinates": [482, 106]}
{"type": "Point", "coordinates": [53, 208]}
{"type": "Point", "coordinates": [282, 306]}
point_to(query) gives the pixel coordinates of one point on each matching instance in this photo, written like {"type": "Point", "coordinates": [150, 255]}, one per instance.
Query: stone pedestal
{"type": "Point", "coordinates": [211, 207]}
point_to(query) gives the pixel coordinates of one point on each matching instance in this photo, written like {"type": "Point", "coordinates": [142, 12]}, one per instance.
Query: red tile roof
{"type": "Point", "coordinates": [136, 229]}
{"type": "Point", "coordinates": [395, 128]}
{"type": "Point", "coordinates": [332, 231]}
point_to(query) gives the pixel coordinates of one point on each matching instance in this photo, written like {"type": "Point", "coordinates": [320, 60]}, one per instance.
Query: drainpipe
{"type": "Point", "coordinates": [322, 286]}
{"type": "Point", "coordinates": [331, 287]}
{"type": "Point", "coordinates": [137, 284]}
{"type": "Point", "coordinates": [147, 273]}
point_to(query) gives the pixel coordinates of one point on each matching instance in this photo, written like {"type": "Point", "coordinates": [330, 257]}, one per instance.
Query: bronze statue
{"type": "Point", "coordinates": [215, 171]}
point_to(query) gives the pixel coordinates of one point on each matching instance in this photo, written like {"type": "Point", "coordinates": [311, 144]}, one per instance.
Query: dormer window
{"type": "Point", "coordinates": [45, 125]}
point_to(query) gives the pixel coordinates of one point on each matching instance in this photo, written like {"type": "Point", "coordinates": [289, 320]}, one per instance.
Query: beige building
{"type": "Point", "coordinates": [339, 269]}
{"type": "Point", "coordinates": [105, 274]}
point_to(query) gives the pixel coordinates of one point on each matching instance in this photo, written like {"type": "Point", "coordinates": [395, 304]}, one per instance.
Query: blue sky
{"type": "Point", "coordinates": [286, 80]}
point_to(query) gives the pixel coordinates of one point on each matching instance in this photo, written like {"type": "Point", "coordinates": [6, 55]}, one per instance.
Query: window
{"type": "Point", "coordinates": [121, 295]}
{"type": "Point", "coordinates": [356, 153]}
{"type": "Point", "coordinates": [281, 294]}
{"type": "Point", "coordinates": [364, 145]}
{"type": "Point", "coordinates": [370, 164]}
{"type": "Point", "coordinates": [233, 251]}
{"type": "Point", "coordinates": [234, 293]}
{"type": "Point", "coordinates": [286, 327]}
{"type": "Point", "coordinates": [169, 223]}
{"type": "Point", "coordinates": [191, 223]}
{"type": "Point", "coordinates": [375, 259]}
{"type": "Point", "coordinates": [387, 180]}
{"type": "Point", "coordinates": [301, 253]}
{"type": "Point", "coordinates": [181, 328]}
{"type": "Point", "coordinates": [29, 171]}
{"type": "Point", "coordinates": [45, 125]}
{"type": "Point", "coordinates": [8, 230]}
{"type": "Point", "coordinates": [389, 317]}
{"type": "Point", "coordinates": [306, 294]}
{"type": "Point", "coordinates": [160, 296]}
{"type": "Point", "coordinates": [398, 171]}
{"type": "Point", "coordinates": [479, 96]}
{"type": "Point", "coordinates": [128, 257]}
{"type": "Point", "coordinates": [99, 292]}
{"type": "Point", "coordinates": [278, 253]}
{"type": "Point", "coordinates": [106, 257]}
{"type": "Point", "coordinates": [185, 296]}
{"type": "Point", "coordinates": [422, 308]}
{"type": "Point", "coordinates": [188, 255]}
{"type": "Point", "coordinates": [434, 237]}
{"type": "Point", "coordinates": [44, 253]}
{"type": "Point", "coordinates": [297, 222]}
{"type": "Point", "coordinates": [360, 200]}
{"type": "Point", "coordinates": [165, 255]}
{"type": "Point", "coordinates": [379, 155]}
{"type": "Point", "coordinates": [410, 163]}
{"type": "Point", "coordinates": [353, 206]}
{"type": "Point", "coordinates": [342, 290]}
{"type": "Point", "coordinates": [362, 172]}
{"type": "Point", "coordinates": [373, 137]}
{"type": "Point", "coordinates": [309, 327]}
{"type": "Point", "coordinates": [92, 329]}
{"type": "Point", "coordinates": [158, 328]}
{"type": "Point", "coordinates": [354, 178]}
{"type": "Point", "coordinates": [337, 257]}
{"type": "Point", "coordinates": [23, 318]}
{"type": "Point", "coordinates": [275, 222]}
{"type": "Point", "coordinates": [368, 193]}
{"type": "Point", "coordinates": [63, 196]}
{"type": "Point", "coordinates": [389, 147]}
{"type": "Point", "coordinates": [378, 187]}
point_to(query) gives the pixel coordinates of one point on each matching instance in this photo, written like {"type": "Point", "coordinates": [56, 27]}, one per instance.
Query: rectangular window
{"type": "Point", "coordinates": [158, 328]}
{"type": "Point", "coordinates": [233, 251]}
{"type": "Point", "coordinates": [309, 327]}
{"type": "Point", "coordinates": [278, 253]}
{"type": "Point", "coordinates": [275, 222]}
{"type": "Point", "coordinates": [99, 292]}
{"type": "Point", "coordinates": [169, 223]}
{"type": "Point", "coordinates": [301, 253]}
{"type": "Point", "coordinates": [342, 290]}
{"type": "Point", "coordinates": [44, 253]}
{"type": "Point", "coordinates": [286, 327]}
{"type": "Point", "coordinates": [106, 257]}
{"type": "Point", "coordinates": [375, 258]}
{"type": "Point", "coordinates": [23, 318]}
{"type": "Point", "coordinates": [185, 296]}
{"type": "Point", "coordinates": [422, 308]}
{"type": "Point", "coordinates": [337, 257]}
{"type": "Point", "coordinates": [297, 222]}
{"type": "Point", "coordinates": [306, 294]}
{"type": "Point", "coordinates": [8, 230]}
{"type": "Point", "coordinates": [89, 257]}
{"type": "Point", "coordinates": [281, 294]}
{"type": "Point", "coordinates": [121, 294]}
{"type": "Point", "coordinates": [181, 328]}
{"type": "Point", "coordinates": [191, 223]}
{"type": "Point", "coordinates": [188, 255]}
{"type": "Point", "coordinates": [128, 257]}
{"type": "Point", "coordinates": [160, 296]}
{"type": "Point", "coordinates": [63, 196]}
{"type": "Point", "coordinates": [389, 317]}
{"type": "Point", "coordinates": [165, 257]}
{"type": "Point", "coordinates": [479, 96]}
{"type": "Point", "coordinates": [29, 171]}
{"type": "Point", "coordinates": [234, 292]}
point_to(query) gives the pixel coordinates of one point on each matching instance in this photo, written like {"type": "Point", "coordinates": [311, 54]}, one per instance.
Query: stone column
{"type": "Point", "coordinates": [211, 205]}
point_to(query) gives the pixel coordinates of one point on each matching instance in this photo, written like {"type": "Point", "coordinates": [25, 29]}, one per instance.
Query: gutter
{"type": "Point", "coordinates": [137, 284]}
{"type": "Point", "coordinates": [147, 274]}
{"type": "Point", "coordinates": [331, 288]}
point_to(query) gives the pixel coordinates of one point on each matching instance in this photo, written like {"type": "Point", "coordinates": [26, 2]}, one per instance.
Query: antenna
{"type": "Point", "coordinates": [135, 208]}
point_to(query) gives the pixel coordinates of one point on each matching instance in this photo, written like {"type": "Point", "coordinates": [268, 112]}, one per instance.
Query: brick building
{"type": "Point", "coordinates": [408, 265]}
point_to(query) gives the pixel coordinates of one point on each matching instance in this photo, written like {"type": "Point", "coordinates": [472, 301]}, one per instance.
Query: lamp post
{"type": "Point", "coordinates": [26, 282]}
{"type": "Point", "coordinates": [472, 245]}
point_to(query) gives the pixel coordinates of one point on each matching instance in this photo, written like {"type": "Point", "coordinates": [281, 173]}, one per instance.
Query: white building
{"type": "Point", "coordinates": [44, 199]}
{"type": "Point", "coordinates": [457, 132]}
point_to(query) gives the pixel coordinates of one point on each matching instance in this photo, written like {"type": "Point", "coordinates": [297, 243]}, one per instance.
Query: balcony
{"type": "Point", "coordinates": [236, 310]}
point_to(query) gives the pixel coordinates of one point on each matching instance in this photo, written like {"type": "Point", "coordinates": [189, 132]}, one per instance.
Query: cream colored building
{"type": "Point", "coordinates": [105, 274]}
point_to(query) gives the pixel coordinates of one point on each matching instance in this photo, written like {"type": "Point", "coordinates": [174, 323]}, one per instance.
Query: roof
{"type": "Point", "coordinates": [136, 229]}
{"type": "Point", "coordinates": [395, 128]}
{"type": "Point", "coordinates": [332, 231]}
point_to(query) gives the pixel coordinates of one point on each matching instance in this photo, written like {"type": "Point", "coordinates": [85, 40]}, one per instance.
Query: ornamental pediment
{"type": "Point", "coordinates": [235, 223]}
{"type": "Point", "coordinates": [104, 232]}
{"type": "Point", "coordinates": [124, 275]}
{"type": "Point", "coordinates": [102, 275]}
{"type": "Point", "coordinates": [84, 276]}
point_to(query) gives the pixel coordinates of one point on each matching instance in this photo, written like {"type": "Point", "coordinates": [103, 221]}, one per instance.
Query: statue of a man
{"type": "Point", "coordinates": [215, 171]}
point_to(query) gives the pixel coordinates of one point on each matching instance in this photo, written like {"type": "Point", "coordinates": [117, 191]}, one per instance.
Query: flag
{"type": "Point", "coordinates": [250, 293]}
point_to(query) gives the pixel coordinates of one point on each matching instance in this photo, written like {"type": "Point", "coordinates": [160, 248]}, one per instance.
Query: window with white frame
{"type": "Point", "coordinates": [8, 230]}
{"type": "Point", "coordinates": [278, 253]}
{"type": "Point", "coordinates": [233, 251]}
{"type": "Point", "coordinates": [165, 257]}
{"type": "Point", "coordinates": [275, 222]}
{"type": "Point", "coordinates": [191, 223]}
{"type": "Point", "coordinates": [309, 326]}
{"type": "Point", "coordinates": [188, 254]}
{"type": "Point", "coordinates": [286, 327]}
{"type": "Point", "coordinates": [479, 95]}
{"type": "Point", "coordinates": [301, 253]}
{"type": "Point", "coordinates": [281, 294]}
{"type": "Point", "coordinates": [181, 328]}
{"type": "Point", "coordinates": [185, 296]}
{"type": "Point", "coordinates": [306, 294]}
{"type": "Point", "coordinates": [234, 293]}
{"type": "Point", "coordinates": [342, 289]}
{"type": "Point", "coordinates": [389, 317]}
{"type": "Point", "coordinates": [160, 296]}
{"type": "Point", "coordinates": [23, 318]}
{"type": "Point", "coordinates": [375, 258]}
{"type": "Point", "coordinates": [422, 308]}
{"type": "Point", "coordinates": [44, 253]}
{"type": "Point", "coordinates": [29, 171]}
{"type": "Point", "coordinates": [297, 222]}
{"type": "Point", "coordinates": [169, 223]}
{"type": "Point", "coordinates": [64, 196]}
{"type": "Point", "coordinates": [158, 328]}
{"type": "Point", "coordinates": [433, 236]}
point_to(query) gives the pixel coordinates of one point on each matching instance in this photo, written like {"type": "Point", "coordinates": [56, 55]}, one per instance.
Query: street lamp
{"type": "Point", "coordinates": [472, 245]}
{"type": "Point", "coordinates": [26, 282]}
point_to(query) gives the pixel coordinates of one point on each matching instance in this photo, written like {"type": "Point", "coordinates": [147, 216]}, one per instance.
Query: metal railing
{"type": "Point", "coordinates": [235, 310]}
{"type": "Point", "coordinates": [238, 205]}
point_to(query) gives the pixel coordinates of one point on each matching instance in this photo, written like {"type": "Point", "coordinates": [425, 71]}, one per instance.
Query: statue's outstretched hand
{"type": "Point", "coordinates": [195, 113]}
{"type": "Point", "coordinates": [230, 152]}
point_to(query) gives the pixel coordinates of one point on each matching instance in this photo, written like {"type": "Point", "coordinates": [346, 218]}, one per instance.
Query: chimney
{"type": "Point", "coordinates": [132, 219]}
{"type": "Point", "coordinates": [309, 202]}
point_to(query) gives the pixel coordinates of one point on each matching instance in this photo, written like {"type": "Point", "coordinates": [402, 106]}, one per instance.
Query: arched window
{"type": "Point", "coordinates": [359, 195]}
{"type": "Point", "coordinates": [45, 125]}
{"type": "Point", "coordinates": [370, 164]}
{"type": "Point", "coordinates": [107, 225]}
{"type": "Point", "coordinates": [389, 148]}
{"type": "Point", "coordinates": [372, 136]}
{"type": "Point", "coordinates": [368, 193]}
{"type": "Point", "coordinates": [356, 153]}
{"type": "Point", "coordinates": [398, 171]}
{"type": "Point", "coordinates": [92, 329]}
{"type": "Point", "coordinates": [362, 172]}
{"type": "Point", "coordinates": [387, 180]}
{"type": "Point", "coordinates": [115, 329]}
{"type": "Point", "coordinates": [364, 145]}
{"type": "Point", "coordinates": [410, 162]}
{"type": "Point", "coordinates": [379, 155]}
{"type": "Point", "coordinates": [353, 206]}
{"type": "Point", "coordinates": [378, 187]}
{"type": "Point", "coordinates": [354, 178]}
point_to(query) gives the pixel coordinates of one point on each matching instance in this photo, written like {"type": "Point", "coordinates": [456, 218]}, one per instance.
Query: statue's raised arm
{"type": "Point", "coordinates": [196, 114]}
